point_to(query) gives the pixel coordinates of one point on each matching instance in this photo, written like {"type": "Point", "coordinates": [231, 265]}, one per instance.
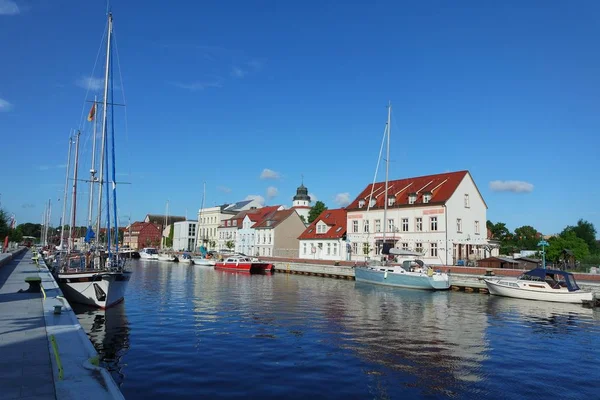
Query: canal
{"type": "Point", "coordinates": [190, 332]}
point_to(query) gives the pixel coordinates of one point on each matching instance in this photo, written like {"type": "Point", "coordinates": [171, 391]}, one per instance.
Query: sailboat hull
{"type": "Point", "coordinates": [403, 280]}
{"type": "Point", "coordinates": [97, 289]}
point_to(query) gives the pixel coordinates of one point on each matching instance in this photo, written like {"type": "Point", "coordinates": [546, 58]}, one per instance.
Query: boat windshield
{"type": "Point", "coordinates": [151, 251]}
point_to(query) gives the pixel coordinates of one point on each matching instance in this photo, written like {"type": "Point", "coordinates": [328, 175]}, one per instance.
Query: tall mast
{"type": "Point", "coordinates": [74, 198]}
{"type": "Point", "coordinates": [103, 150]}
{"type": "Point", "coordinates": [42, 233]}
{"type": "Point", "coordinates": [64, 206]}
{"type": "Point", "coordinates": [162, 234]}
{"type": "Point", "coordinates": [387, 169]}
{"type": "Point", "coordinates": [93, 167]}
{"type": "Point", "coordinates": [48, 215]}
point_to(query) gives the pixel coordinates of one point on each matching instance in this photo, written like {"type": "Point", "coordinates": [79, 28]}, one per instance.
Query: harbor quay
{"type": "Point", "coordinates": [44, 352]}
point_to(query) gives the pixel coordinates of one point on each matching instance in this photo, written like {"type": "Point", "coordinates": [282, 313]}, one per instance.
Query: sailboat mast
{"type": "Point", "coordinates": [162, 234]}
{"type": "Point", "coordinates": [103, 147]}
{"type": "Point", "coordinates": [74, 198]}
{"type": "Point", "coordinates": [387, 170]}
{"type": "Point", "coordinates": [48, 216]}
{"type": "Point", "coordinates": [64, 206]}
{"type": "Point", "coordinates": [93, 167]}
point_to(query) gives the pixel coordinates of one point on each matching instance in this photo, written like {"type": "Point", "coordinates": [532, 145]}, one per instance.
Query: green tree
{"type": "Point", "coordinates": [29, 229]}
{"type": "Point", "coordinates": [526, 237]}
{"type": "Point", "coordinates": [169, 239]}
{"type": "Point", "coordinates": [499, 230]}
{"type": "Point", "coordinates": [569, 241]}
{"type": "Point", "coordinates": [584, 230]}
{"type": "Point", "coordinates": [303, 219]}
{"type": "Point", "coordinates": [316, 210]}
{"type": "Point", "coordinates": [4, 224]}
{"type": "Point", "coordinates": [366, 248]}
{"type": "Point", "coordinates": [229, 244]}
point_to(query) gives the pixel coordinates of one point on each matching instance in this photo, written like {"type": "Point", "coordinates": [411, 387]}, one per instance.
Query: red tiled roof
{"type": "Point", "coordinates": [440, 186]}
{"type": "Point", "coordinates": [274, 218]}
{"type": "Point", "coordinates": [261, 213]}
{"type": "Point", "coordinates": [335, 220]}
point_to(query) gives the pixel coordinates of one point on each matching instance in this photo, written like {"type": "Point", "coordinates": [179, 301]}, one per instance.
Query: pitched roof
{"type": "Point", "coordinates": [275, 218]}
{"type": "Point", "coordinates": [261, 213]}
{"type": "Point", "coordinates": [160, 219]}
{"type": "Point", "coordinates": [137, 227]}
{"type": "Point", "coordinates": [439, 186]}
{"type": "Point", "coordinates": [334, 219]}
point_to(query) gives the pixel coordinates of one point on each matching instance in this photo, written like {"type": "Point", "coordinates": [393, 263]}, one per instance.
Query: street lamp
{"type": "Point", "coordinates": [543, 244]}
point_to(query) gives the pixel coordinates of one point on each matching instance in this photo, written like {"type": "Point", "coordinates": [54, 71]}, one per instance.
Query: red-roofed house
{"type": "Point", "coordinates": [243, 235]}
{"type": "Point", "coordinates": [443, 216]}
{"type": "Point", "coordinates": [277, 234]}
{"type": "Point", "coordinates": [142, 234]}
{"type": "Point", "coordinates": [325, 237]}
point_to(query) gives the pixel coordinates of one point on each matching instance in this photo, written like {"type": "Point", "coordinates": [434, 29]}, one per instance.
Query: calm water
{"type": "Point", "coordinates": [193, 332]}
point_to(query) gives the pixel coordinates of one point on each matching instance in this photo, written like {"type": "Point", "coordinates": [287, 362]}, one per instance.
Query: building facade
{"type": "Point", "coordinates": [142, 234]}
{"type": "Point", "coordinates": [277, 234]}
{"type": "Point", "coordinates": [184, 235]}
{"type": "Point", "coordinates": [442, 216]}
{"type": "Point", "coordinates": [325, 237]}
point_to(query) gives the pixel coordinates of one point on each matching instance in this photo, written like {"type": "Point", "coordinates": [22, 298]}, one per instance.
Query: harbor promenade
{"type": "Point", "coordinates": [44, 352]}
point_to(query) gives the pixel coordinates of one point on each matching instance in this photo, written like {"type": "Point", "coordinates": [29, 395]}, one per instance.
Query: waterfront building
{"type": "Point", "coordinates": [239, 230]}
{"type": "Point", "coordinates": [142, 234]}
{"type": "Point", "coordinates": [301, 202]}
{"type": "Point", "coordinates": [277, 234]}
{"type": "Point", "coordinates": [325, 237]}
{"type": "Point", "coordinates": [210, 218]}
{"type": "Point", "coordinates": [184, 235]}
{"type": "Point", "coordinates": [442, 216]}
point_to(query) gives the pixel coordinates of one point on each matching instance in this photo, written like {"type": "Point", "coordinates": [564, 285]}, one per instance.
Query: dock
{"type": "Point", "coordinates": [44, 351]}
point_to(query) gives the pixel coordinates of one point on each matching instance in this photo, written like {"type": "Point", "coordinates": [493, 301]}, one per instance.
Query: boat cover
{"type": "Point", "coordinates": [89, 235]}
{"type": "Point", "coordinates": [542, 273]}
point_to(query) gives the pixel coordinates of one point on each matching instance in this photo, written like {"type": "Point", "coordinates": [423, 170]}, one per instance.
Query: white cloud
{"type": "Point", "coordinates": [342, 199]}
{"type": "Point", "coordinates": [198, 85]}
{"type": "Point", "coordinates": [90, 83]}
{"type": "Point", "coordinates": [9, 7]}
{"type": "Point", "coordinates": [5, 105]}
{"type": "Point", "coordinates": [313, 197]}
{"type": "Point", "coordinates": [269, 174]}
{"type": "Point", "coordinates": [224, 189]}
{"type": "Point", "coordinates": [272, 192]}
{"type": "Point", "coordinates": [258, 197]}
{"type": "Point", "coordinates": [511, 186]}
{"type": "Point", "coordinates": [237, 72]}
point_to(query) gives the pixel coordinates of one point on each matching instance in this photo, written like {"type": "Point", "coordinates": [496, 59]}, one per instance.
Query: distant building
{"type": "Point", "coordinates": [325, 237]}
{"type": "Point", "coordinates": [184, 235]}
{"type": "Point", "coordinates": [238, 230]}
{"type": "Point", "coordinates": [301, 202]}
{"type": "Point", "coordinates": [277, 234]}
{"type": "Point", "coordinates": [142, 234]}
{"type": "Point", "coordinates": [442, 216]}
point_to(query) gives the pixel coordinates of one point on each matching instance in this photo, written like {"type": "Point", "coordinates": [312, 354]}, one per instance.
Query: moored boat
{"type": "Point", "coordinates": [149, 253]}
{"type": "Point", "coordinates": [203, 261]}
{"type": "Point", "coordinates": [245, 264]}
{"type": "Point", "coordinates": [541, 284]}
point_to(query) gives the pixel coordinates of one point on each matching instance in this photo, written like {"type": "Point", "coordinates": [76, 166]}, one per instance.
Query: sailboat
{"type": "Point", "coordinates": [99, 277]}
{"type": "Point", "coordinates": [202, 259]}
{"type": "Point", "coordinates": [165, 254]}
{"type": "Point", "coordinates": [413, 273]}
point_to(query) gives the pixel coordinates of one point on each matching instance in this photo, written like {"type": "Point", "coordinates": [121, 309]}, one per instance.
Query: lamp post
{"type": "Point", "coordinates": [543, 244]}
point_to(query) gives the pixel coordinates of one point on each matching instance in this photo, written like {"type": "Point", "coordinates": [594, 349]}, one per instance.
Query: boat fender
{"type": "Point", "coordinates": [385, 275]}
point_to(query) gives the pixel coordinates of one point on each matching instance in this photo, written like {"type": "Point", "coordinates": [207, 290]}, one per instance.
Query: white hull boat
{"type": "Point", "coordinates": [95, 288]}
{"type": "Point", "coordinates": [205, 262]}
{"type": "Point", "coordinates": [167, 257]}
{"type": "Point", "coordinates": [541, 284]}
{"type": "Point", "coordinates": [149, 253]}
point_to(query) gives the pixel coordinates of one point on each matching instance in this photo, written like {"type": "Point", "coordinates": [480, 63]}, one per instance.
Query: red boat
{"type": "Point", "coordinates": [245, 264]}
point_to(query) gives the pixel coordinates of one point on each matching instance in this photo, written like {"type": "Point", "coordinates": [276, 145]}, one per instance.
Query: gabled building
{"type": "Point", "coordinates": [277, 234]}
{"type": "Point", "coordinates": [442, 216]}
{"type": "Point", "coordinates": [142, 234]}
{"type": "Point", "coordinates": [245, 236]}
{"type": "Point", "coordinates": [325, 237]}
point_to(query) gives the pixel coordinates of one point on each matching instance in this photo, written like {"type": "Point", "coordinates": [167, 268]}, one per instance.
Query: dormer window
{"type": "Point", "coordinates": [391, 200]}
{"type": "Point", "coordinates": [412, 198]}
{"type": "Point", "coordinates": [361, 203]}
{"type": "Point", "coordinates": [426, 197]}
{"type": "Point", "coordinates": [372, 202]}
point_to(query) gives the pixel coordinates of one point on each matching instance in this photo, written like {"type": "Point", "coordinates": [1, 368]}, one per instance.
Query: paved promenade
{"type": "Point", "coordinates": [31, 335]}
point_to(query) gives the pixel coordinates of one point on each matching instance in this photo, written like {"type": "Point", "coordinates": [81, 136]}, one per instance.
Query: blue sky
{"type": "Point", "coordinates": [217, 92]}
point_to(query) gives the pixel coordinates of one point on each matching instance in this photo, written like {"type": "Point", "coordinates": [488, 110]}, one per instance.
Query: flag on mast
{"type": "Point", "coordinates": [92, 112]}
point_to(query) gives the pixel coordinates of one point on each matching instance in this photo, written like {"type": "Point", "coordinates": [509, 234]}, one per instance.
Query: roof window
{"type": "Point", "coordinates": [361, 203]}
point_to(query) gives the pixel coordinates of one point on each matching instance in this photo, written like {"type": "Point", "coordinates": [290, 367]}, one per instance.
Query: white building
{"type": "Point", "coordinates": [301, 202]}
{"type": "Point", "coordinates": [209, 220]}
{"type": "Point", "coordinates": [245, 238]}
{"type": "Point", "coordinates": [184, 235]}
{"type": "Point", "coordinates": [443, 216]}
{"type": "Point", "coordinates": [277, 234]}
{"type": "Point", "coordinates": [325, 237]}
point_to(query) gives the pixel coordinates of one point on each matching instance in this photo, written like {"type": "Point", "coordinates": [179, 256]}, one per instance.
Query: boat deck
{"type": "Point", "coordinates": [44, 355]}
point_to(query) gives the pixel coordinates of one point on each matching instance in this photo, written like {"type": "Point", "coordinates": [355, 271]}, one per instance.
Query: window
{"type": "Point", "coordinates": [391, 200]}
{"type": "Point", "coordinates": [426, 197]}
{"type": "Point", "coordinates": [361, 203]}
{"type": "Point", "coordinates": [355, 247]}
{"type": "Point", "coordinates": [366, 226]}
{"type": "Point", "coordinates": [419, 224]}
{"type": "Point", "coordinates": [458, 225]}
{"type": "Point", "coordinates": [269, 238]}
{"type": "Point", "coordinates": [477, 227]}
{"type": "Point", "coordinates": [355, 226]}
{"type": "Point", "coordinates": [433, 224]}
{"type": "Point", "coordinates": [304, 248]}
{"type": "Point", "coordinates": [467, 205]}
{"type": "Point", "coordinates": [328, 249]}
{"type": "Point", "coordinates": [404, 224]}
{"type": "Point", "coordinates": [412, 198]}
{"type": "Point", "coordinates": [390, 225]}
{"type": "Point", "coordinates": [377, 225]}
{"type": "Point", "coordinates": [335, 249]}
{"type": "Point", "coordinates": [419, 247]}
{"type": "Point", "coordinates": [372, 202]}
{"type": "Point", "coordinates": [433, 250]}
{"type": "Point", "coordinates": [404, 246]}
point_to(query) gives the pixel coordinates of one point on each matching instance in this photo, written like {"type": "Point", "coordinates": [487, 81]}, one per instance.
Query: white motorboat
{"type": "Point", "coordinates": [541, 284]}
{"type": "Point", "coordinates": [206, 262]}
{"type": "Point", "coordinates": [149, 253]}
{"type": "Point", "coordinates": [185, 258]}
{"type": "Point", "coordinates": [167, 257]}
